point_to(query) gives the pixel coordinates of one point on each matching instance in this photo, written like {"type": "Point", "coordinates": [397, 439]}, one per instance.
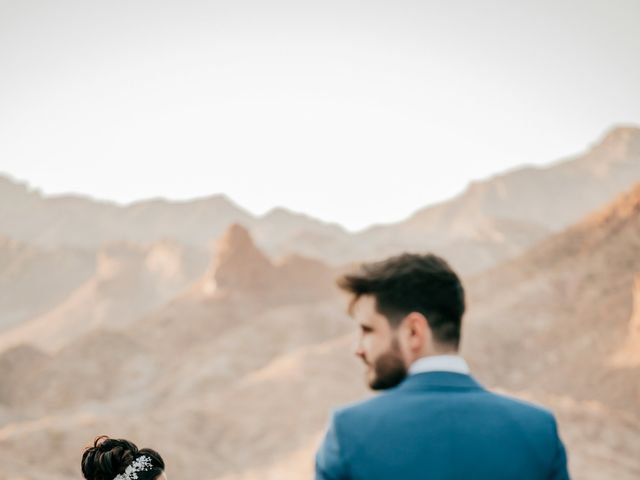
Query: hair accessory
{"type": "Point", "coordinates": [140, 464]}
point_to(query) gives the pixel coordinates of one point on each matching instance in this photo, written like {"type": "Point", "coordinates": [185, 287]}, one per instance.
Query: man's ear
{"type": "Point", "coordinates": [418, 332]}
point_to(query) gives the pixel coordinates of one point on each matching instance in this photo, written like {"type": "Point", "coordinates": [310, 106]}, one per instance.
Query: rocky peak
{"type": "Point", "coordinates": [238, 264]}
{"type": "Point", "coordinates": [627, 138]}
{"type": "Point", "coordinates": [620, 145]}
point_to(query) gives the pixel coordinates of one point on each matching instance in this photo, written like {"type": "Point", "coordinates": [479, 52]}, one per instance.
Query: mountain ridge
{"type": "Point", "coordinates": [494, 219]}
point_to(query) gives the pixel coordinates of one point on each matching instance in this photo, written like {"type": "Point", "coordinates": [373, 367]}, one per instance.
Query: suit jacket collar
{"type": "Point", "coordinates": [440, 381]}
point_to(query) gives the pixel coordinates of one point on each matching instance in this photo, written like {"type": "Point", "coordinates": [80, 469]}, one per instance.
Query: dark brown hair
{"type": "Point", "coordinates": [413, 283]}
{"type": "Point", "coordinates": [109, 457]}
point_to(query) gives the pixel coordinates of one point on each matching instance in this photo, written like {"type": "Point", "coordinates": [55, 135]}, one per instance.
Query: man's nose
{"type": "Point", "coordinates": [358, 350]}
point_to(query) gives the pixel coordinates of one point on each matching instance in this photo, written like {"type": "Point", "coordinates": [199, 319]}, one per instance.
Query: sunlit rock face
{"type": "Point", "coordinates": [567, 306]}
{"type": "Point", "coordinates": [238, 265]}
{"type": "Point", "coordinates": [629, 353]}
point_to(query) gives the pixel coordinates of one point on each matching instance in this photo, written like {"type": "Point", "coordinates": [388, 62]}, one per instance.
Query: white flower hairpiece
{"type": "Point", "coordinates": [140, 464]}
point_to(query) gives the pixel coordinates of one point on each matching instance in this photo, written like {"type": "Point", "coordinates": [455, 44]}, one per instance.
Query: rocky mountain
{"type": "Point", "coordinates": [566, 312]}
{"type": "Point", "coordinates": [33, 279]}
{"type": "Point", "coordinates": [629, 354]}
{"type": "Point", "coordinates": [281, 232]}
{"type": "Point", "coordinates": [72, 220]}
{"type": "Point", "coordinates": [128, 281]}
{"type": "Point", "coordinates": [234, 380]}
{"type": "Point", "coordinates": [211, 362]}
{"type": "Point", "coordinates": [498, 218]}
{"type": "Point", "coordinates": [240, 267]}
{"type": "Point", "coordinates": [229, 363]}
{"type": "Point", "coordinates": [237, 293]}
{"type": "Point", "coordinates": [492, 220]}
{"type": "Point", "coordinates": [561, 324]}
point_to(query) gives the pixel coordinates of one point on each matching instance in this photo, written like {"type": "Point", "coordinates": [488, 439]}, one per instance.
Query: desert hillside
{"type": "Point", "coordinates": [128, 281]}
{"type": "Point", "coordinates": [235, 376]}
{"type": "Point", "coordinates": [51, 272]}
{"type": "Point", "coordinates": [220, 339]}
{"type": "Point", "coordinates": [564, 311]}
{"type": "Point", "coordinates": [224, 360]}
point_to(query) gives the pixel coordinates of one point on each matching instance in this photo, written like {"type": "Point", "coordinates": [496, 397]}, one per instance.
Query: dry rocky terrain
{"type": "Point", "coordinates": [228, 357]}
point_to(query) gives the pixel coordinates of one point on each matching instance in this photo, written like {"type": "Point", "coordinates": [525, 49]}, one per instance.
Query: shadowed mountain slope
{"type": "Point", "coordinates": [564, 312]}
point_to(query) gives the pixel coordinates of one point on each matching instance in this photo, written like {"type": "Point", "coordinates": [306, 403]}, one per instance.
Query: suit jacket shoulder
{"type": "Point", "coordinates": [447, 424]}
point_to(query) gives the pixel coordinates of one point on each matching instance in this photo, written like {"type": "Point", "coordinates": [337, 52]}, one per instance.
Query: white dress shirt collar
{"type": "Point", "coordinates": [440, 363]}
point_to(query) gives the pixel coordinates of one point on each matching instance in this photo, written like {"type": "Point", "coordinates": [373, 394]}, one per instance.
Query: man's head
{"type": "Point", "coordinates": [407, 307]}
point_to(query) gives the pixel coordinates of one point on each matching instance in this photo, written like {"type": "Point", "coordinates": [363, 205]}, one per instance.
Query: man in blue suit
{"type": "Point", "coordinates": [433, 421]}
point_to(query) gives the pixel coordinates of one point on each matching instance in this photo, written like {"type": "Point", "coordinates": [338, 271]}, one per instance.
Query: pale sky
{"type": "Point", "coordinates": [357, 112]}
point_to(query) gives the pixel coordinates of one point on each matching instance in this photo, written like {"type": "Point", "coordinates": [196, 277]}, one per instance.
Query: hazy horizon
{"type": "Point", "coordinates": [47, 193]}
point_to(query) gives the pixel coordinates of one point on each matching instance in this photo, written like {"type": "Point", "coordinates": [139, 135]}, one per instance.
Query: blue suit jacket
{"type": "Point", "coordinates": [437, 426]}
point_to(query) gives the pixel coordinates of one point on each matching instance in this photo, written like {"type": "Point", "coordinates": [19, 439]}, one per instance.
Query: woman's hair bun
{"type": "Point", "coordinates": [109, 457]}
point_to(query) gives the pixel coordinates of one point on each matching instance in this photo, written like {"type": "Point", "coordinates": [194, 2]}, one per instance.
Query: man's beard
{"type": "Point", "coordinates": [388, 369]}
